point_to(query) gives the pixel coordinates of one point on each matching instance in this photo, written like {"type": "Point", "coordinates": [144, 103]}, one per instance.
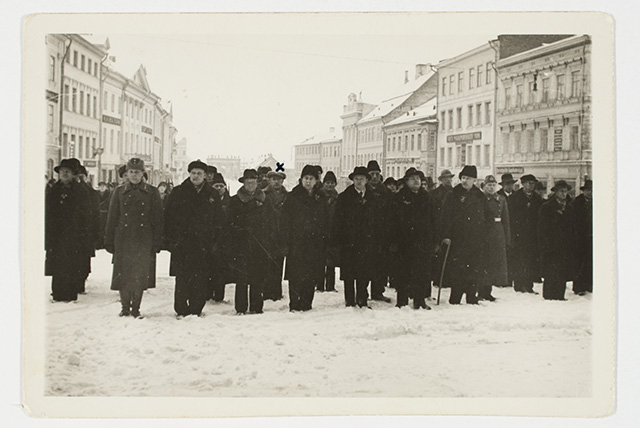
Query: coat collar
{"type": "Point", "coordinates": [142, 186]}
{"type": "Point", "coordinates": [245, 196]}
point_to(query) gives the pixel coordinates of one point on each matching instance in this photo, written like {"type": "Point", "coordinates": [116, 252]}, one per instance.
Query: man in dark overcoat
{"type": "Point", "coordinates": [463, 221]}
{"type": "Point", "coordinates": [192, 226]}
{"type": "Point", "coordinates": [105, 196]}
{"type": "Point", "coordinates": [305, 222]}
{"type": "Point", "coordinates": [358, 234]}
{"type": "Point", "coordinates": [221, 271]}
{"type": "Point", "coordinates": [381, 264]}
{"type": "Point", "coordinates": [524, 205]}
{"type": "Point", "coordinates": [94, 222]}
{"type": "Point", "coordinates": [439, 195]}
{"type": "Point", "coordinates": [507, 183]}
{"type": "Point", "coordinates": [252, 236]}
{"type": "Point", "coordinates": [135, 226]}
{"type": "Point", "coordinates": [583, 206]}
{"type": "Point", "coordinates": [277, 194]}
{"type": "Point", "coordinates": [331, 194]}
{"type": "Point", "coordinates": [412, 239]}
{"type": "Point", "coordinates": [67, 233]}
{"type": "Point", "coordinates": [497, 240]}
{"type": "Point", "coordinates": [557, 240]}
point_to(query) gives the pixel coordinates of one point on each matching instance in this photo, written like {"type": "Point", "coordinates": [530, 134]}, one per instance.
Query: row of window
{"type": "Point", "coordinates": [411, 142]}
{"type": "Point", "coordinates": [133, 144]}
{"type": "Point", "coordinates": [398, 171]}
{"type": "Point", "coordinates": [369, 134]}
{"type": "Point", "coordinates": [83, 63]}
{"type": "Point", "coordinates": [542, 90]}
{"type": "Point", "coordinates": [478, 154]}
{"type": "Point", "coordinates": [474, 116]}
{"type": "Point", "coordinates": [78, 146]}
{"type": "Point", "coordinates": [538, 140]}
{"type": "Point", "coordinates": [133, 108]}
{"type": "Point", "coordinates": [351, 161]}
{"type": "Point", "coordinates": [477, 76]}
{"type": "Point", "coordinates": [77, 101]}
{"type": "Point", "coordinates": [331, 152]}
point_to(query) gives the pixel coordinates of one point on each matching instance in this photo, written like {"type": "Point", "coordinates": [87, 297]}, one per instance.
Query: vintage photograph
{"type": "Point", "coordinates": [320, 206]}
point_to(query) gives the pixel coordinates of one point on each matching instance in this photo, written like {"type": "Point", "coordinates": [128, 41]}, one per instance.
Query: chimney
{"type": "Point", "coordinates": [406, 76]}
{"type": "Point", "coordinates": [422, 69]}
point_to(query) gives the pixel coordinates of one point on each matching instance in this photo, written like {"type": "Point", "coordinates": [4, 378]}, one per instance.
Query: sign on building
{"type": "Point", "coordinates": [557, 139]}
{"type": "Point", "coordinates": [464, 138]}
{"type": "Point", "coordinates": [510, 169]}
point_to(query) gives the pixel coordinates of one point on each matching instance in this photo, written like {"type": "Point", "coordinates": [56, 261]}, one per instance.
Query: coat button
{"type": "Point", "coordinates": [126, 214]}
{"type": "Point", "coordinates": [142, 213]}
{"type": "Point", "coordinates": [141, 224]}
{"type": "Point", "coordinates": [126, 225]}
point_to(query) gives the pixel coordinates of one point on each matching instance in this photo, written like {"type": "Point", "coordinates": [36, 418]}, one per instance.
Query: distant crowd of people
{"type": "Point", "coordinates": [405, 234]}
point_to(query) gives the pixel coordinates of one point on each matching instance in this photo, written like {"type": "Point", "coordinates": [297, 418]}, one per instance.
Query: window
{"type": "Point", "coordinates": [560, 86]}
{"type": "Point", "coordinates": [104, 137]}
{"type": "Point", "coordinates": [451, 82]}
{"type": "Point", "coordinates": [72, 146]}
{"type": "Point", "coordinates": [81, 102]}
{"type": "Point", "coordinates": [66, 97]}
{"type": "Point", "coordinates": [478, 114]}
{"type": "Point", "coordinates": [519, 93]}
{"type": "Point", "coordinates": [406, 142]}
{"type": "Point", "coordinates": [126, 104]}
{"type": "Point", "coordinates": [545, 90]}
{"type": "Point", "coordinates": [65, 144]}
{"type": "Point", "coordinates": [459, 116]}
{"type": "Point", "coordinates": [413, 142]}
{"type": "Point", "coordinates": [489, 72]}
{"type": "Point", "coordinates": [469, 115]}
{"type": "Point", "coordinates": [444, 86]}
{"type": "Point", "coordinates": [450, 156]}
{"type": "Point", "coordinates": [82, 62]}
{"type": "Point", "coordinates": [95, 105]}
{"type": "Point", "coordinates": [88, 104]}
{"type": "Point", "coordinates": [530, 140]}
{"type": "Point", "coordinates": [50, 117]}
{"type": "Point", "coordinates": [479, 76]}
{"type": "Point", "coordinates": [73, 100]}
{"type": "Point", "coordinates": [105, 97]}
{"type": "Point", "coordinates": [95, 69]}
{"type": "Point", "coordinates": [505, 142]}
{"type": "Point", "coordinates": [450, 119]}
{"type": "Point", "coordinates": [75, 59]}
{"type": "Point", "coordinates": [52, 68]}
{"type": "Point", "coordinates": [442, 121]}
{"type": "Point", "coordinates": [419, 141]}
{"type": "Point", "coordinates": [111, 145]}
{"type": "Point", "coordinates": [389, 144]}
{"type": "Point", "coordinates": [487, 112]}
{"type": "Point", "coordinates": [575, 137]}
{"type": "Point", "coordinates": [393, 144]}
{"type": "Point", "coordinates": [532, 93]}
{"type": "Point", "coordinates": [544, 140]}
{"type": "Point", "coordinates": [576, 84]}
{"type": "Point", "coordinates": [478, 159]}
{"type": "Point", "coordinates": [487, 155]}
{"type": "Point", "coordinates": [89, 65]}
{"type": "Point", "coordinates": [460, 81]}
{"type": "Point", "coordinates": [113, 102]}
{"type": "Point", "coordinates": [472, 77]}
{"type": "Point", "coordinates": [459, 156]}
{"type": "Point", "coordinates": [507, 98]}
{"type": "Point", "coordinates": [126, 143]}
{"type": "Point", "coordinates": [442, 160]}
{"type": "Point", "coordinates": [80, 147]}
{"type": "Point", "coordinates": [88, 153]}
{"type": "Point", "coordinates": [120, 105]}
{"type": "Point", "coordinates": [518, 143]}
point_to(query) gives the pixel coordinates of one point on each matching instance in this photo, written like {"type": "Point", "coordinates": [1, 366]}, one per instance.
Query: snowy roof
{"type": "Point", "coordinates": [326, 137]}
{"type": "Point", "coordinates": [400, 96]}
{"type": "Point", "coordinates": [423, 111]}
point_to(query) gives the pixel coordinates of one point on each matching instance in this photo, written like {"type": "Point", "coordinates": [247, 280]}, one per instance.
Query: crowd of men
{"type": "Point", "coordinates": [405, 234]}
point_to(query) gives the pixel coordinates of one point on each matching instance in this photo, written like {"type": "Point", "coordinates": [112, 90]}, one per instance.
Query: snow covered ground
{"type": "Point", "coordinates": [518, 346]}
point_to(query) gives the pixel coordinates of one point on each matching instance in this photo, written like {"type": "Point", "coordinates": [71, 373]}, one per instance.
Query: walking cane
{"type": "Point", "coordinates": [444, 265]}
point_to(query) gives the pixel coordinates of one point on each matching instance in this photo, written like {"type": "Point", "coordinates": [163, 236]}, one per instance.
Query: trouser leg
{"type": "Point", "coordinates": [256, 299]}
{"type": "Point", "coordinates": [136, 299]}
{"type": "Point", "coordinates": [308, 288]}
{"type": "Point", "coordinates": [456, 293]}
{"type": "Point", "coordinates": [419, 293]}
{"type": "Point", "coordinates": [294, 295]}
{"type": "Point", "coordinates": [553, 288]}
{"type": "Point", "coordinates": [199, 293]}
{"type": "Point", "coordinates": [330, 278]}
{"type": "Point", "coordinates": [241, 297]}
{"type": "Point", "coordinates": [181, 296]}
{"type": "Point", "coordinates": [471, 292]}
{"type": "Point", "coordinates": [125, 301]}
{"type": "Point", "coordinates": [219, 286]}
{"type": "Point", "coordinates": [349, 292]}
{"type": "Point", "coordinates": [59, 285]}
{"type": "Point", "coordinates": [361, 292]}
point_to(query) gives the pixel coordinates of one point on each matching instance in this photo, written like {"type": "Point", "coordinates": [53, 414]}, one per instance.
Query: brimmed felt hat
{"type": "Point", "coordinates": [320, 170]}
{"type": "Point", "coordinates": [560, 184]}
{"type": "Point", "coordinates": [211, 169]}
{"type": "Point", "coordinates": [218, 178]}
{"type": "Point", "coordinates": [539, 186]}
{"type": "Point", "coordinates": [330, 176]}
{"type": "Point", "coordinates": [311, 170]}
{"type": "Point", "coordinates": [122, 170]}
{"type": "Point", "coordinates": [469, 171]}
{"type": "Point", "coordinates": [360, 170]}
{"type": "Point", "coordinates": [197, 164]}
{"type": "Point", "coordinates": [390, 180]}
{"type": "Point", "coordinates": [248, 174]}
{"type": "Point", "coordinates": [411, 172]}
{"type": "Point", "coordinates": [445, 174]}
{"type": "Point", "coordinates": [82, 170]}
{"type": "Point", "coordinates": [135, 163]}
{"type": "Point", "coordinates": [528, 177]}
{"type": "Point", "coordinates": [73, 164]}
{"type": "Point", "coordinates": [506, 179]}
{"type": "Point", "coordinates": [373, 166]}
{"type": "Point", "coordinates": [263, 170]}
{"type": "Point", "coordinates": [588, 185]}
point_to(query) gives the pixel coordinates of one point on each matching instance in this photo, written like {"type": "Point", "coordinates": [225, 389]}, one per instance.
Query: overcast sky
{"type": "Point", "coordinates": [247, 94]}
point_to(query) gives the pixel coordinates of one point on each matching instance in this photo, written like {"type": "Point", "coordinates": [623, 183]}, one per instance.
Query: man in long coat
{"type": "Point", "coordinates": [94, 222]}
{"type": "Point", "coordinates": [331, 194]}
{"type": "Point", "coordinates": [412, 239]}
{"type": "Point", "coordinates": [358, 234]}
{"type": "Point", "coordinates": [463, 222]}
{"type": "Point", "coordinates": [105, 196]}
{"type": "Point", "coordinates": [192, 223]}
{"type": "Point", "coordinates": [507, 183]}
{"type": "Point", "coordinates": [583, 206]}
{"type": "Point", "coordinates": [497, 240]}
{"type": "Point", "coordinates": [381, 264]}
{"type": "Point", "coordinates": [252, 235]}
{"type": "Point", "coordinates": [133, 235]}
{"type": "Point", "coordinates": [305, 223]}
{"type": "Point", "coordinates": [67, 233]}
{"type": "Point", "coordinates": [221, 271]}
{"type": "Point", "coordinates": [524, 205]}
{"type": "Point", "coordinates": [277, 194]}
{"type": "Point", "coordinates": [439, 195]}
{"type": "Point", "coordinates": [557, 239]}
